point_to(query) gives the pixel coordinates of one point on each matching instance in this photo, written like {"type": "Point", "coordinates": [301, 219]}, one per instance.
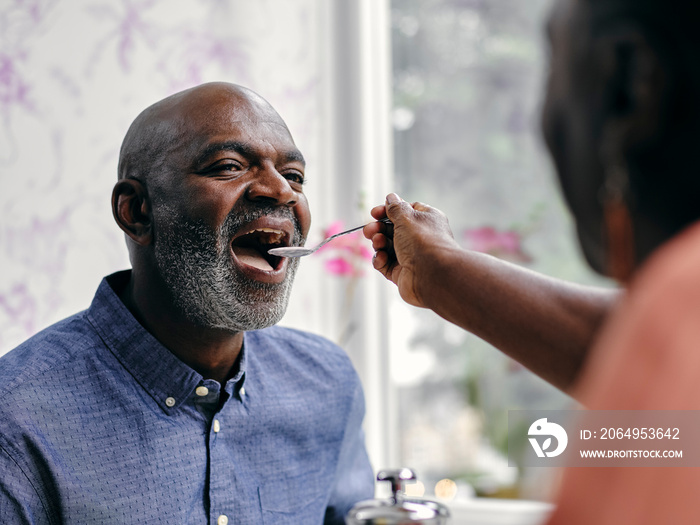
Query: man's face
{"type": "Point", "coordinates": [230, 188]}
{"type": "Point", "coordinates": [571, 122]}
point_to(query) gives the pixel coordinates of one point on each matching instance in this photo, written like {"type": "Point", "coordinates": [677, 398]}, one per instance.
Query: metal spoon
{"type": "Point", "coordinates": [300, 251]}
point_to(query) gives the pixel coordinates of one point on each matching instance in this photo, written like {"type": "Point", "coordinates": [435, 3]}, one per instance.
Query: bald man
{"type": "Point", "coordinates": [173, 398]}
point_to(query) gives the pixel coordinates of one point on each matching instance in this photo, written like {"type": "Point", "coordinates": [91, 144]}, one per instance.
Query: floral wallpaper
{"type": "Point", "coordinates": [73, 75]}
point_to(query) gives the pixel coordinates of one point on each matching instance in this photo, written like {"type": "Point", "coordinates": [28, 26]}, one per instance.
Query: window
{"type": "Point", "coordinates": [467, 84]}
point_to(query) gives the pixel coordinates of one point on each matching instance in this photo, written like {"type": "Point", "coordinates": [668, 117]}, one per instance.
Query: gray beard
{"type": "Point", "coordinates": [196, 265]}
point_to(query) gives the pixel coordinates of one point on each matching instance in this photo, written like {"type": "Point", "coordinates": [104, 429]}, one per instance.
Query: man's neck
{"type": "Point", "coordinates": [211, 352]}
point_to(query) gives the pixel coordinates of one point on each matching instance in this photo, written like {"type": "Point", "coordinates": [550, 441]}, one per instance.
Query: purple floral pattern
{"type": "Point", "coordinates": [14, 90]}
{"type": "Point", "coordinates": [73, 74]}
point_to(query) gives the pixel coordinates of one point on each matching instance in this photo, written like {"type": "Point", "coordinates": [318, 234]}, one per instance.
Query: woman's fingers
{"type": "Point", "coordinates": [378, 212]}
{"type": "Point", "coordinates": [372, 229]}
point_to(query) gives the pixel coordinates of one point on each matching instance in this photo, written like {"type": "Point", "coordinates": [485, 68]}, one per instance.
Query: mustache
{"type": "Point", "coordinates": [242, 215]}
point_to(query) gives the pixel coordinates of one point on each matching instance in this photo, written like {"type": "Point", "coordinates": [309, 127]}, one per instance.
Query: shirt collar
{"type": "Point", "coordinates": [167, 379]}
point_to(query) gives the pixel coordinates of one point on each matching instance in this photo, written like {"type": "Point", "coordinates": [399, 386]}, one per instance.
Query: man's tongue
{"type": "Point", "coordinates": [252, 257]}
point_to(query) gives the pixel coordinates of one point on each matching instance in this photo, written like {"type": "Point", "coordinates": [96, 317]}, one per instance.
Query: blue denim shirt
{"type": "Point", "coordinates": [99, 423]}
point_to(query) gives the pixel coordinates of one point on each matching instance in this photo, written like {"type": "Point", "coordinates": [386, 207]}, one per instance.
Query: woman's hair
{"type": "Point", "coordinates": [664, 172]}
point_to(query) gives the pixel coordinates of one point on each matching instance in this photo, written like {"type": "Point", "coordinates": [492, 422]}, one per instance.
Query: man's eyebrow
{"type": "Point", "coordinates": [294, 156]}
{"type": "Point", "coordinates": [246, 150]}
{"type": "Point", "coordinates": [239, 147]}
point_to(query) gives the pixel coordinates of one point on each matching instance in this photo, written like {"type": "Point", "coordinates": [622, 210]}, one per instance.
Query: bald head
{"type": "Point", "coordinates": [214, 132]}
{"type": "Point", "coordinates": [203, 174]}
{"type": "Point", "coordinates": [170, 124]}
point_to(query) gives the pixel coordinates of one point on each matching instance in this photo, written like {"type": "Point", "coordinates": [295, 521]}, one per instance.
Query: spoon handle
{"type": "Point", "coordinates": [384, 220]}
{"type": "Point", "coordinates": [297, 251]}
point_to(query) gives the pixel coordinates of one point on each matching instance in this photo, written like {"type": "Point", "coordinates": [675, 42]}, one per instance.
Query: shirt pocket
{"type": "Point", "coordinates": [294, 500]}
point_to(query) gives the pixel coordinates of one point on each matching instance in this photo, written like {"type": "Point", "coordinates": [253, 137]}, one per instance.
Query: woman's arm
{"type": "Point", "coordinates": [544, 323]}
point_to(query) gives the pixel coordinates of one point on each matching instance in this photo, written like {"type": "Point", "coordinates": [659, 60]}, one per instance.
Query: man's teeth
{"type": "Point", "coordinates": [271, 236]}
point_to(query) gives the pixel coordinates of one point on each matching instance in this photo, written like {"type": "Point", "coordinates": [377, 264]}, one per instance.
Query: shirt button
{"type": "Point", "coordinates": [242, 391]}
{"type": "Point", "coordinates": [222, 520]}
{"type": "Point", "coordinates": [217, 426]}
{"type": "Point", "coordinates": [201, 391]}
{"type": "Point", "coordinates": [170, 401]}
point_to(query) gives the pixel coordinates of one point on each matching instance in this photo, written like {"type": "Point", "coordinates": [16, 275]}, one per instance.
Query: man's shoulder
{"type": "Point", "coordinates": [51, 349]}
{"type": "Point", "coordinates": [294, 337]}
{"type": "Point", "coordinates": [301, 346]}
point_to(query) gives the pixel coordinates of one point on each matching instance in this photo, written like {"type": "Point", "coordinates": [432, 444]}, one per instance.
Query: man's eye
{"type": "Point", "coordinates": [227, 166]}
{"type": "Point", "coordinates": [295, 177]}
{"type": "Point", "coordinates": [224, 167]}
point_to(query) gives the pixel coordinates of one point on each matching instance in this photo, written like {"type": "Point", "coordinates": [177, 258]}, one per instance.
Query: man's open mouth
{"type": "Point", "coordinates": [251, 248]}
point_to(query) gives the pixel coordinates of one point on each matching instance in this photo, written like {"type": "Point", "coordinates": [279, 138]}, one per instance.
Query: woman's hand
{"type": "Point", "coordinates": [405, 249]}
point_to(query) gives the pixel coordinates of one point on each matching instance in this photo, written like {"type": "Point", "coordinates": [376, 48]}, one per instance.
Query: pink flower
{"type": "Point", "coordinates": [334, 228]}
{"type": "Point", "coordinates": [504, 244]}
{"type": "Point", "coordinates": [339, 266]}
{"type": "Point", "coordinates": [350, 252]}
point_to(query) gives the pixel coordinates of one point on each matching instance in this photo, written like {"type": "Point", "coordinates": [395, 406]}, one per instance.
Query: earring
{"type": "Point", "coordinates": [618, 231]}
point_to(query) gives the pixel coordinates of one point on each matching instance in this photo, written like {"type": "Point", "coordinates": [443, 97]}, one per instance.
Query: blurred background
{"type": "Point", "coordinates": [436, 99]}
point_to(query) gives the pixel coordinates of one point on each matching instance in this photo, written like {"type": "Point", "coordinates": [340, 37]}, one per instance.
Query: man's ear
{"type": "Point", "coordinates": [132, 210]}
{"type": "Point", "coordinates": [633, 94]}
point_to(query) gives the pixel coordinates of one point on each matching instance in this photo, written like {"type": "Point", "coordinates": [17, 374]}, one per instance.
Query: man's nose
{"type": "Point", "coordinates": [269, 185]}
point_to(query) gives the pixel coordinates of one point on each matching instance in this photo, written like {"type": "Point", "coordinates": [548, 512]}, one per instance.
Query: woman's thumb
{"type": "Point", "coordinates": [394, 206]}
